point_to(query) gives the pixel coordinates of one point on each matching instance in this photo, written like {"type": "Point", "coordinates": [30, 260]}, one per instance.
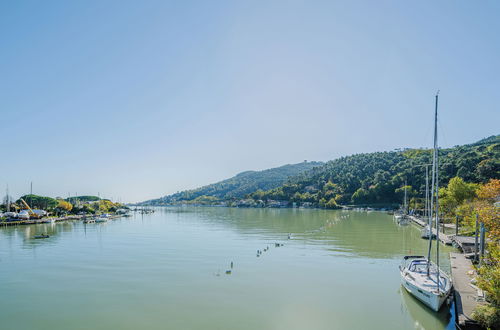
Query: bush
{"type": "Point", "coordinates": [488, 316]}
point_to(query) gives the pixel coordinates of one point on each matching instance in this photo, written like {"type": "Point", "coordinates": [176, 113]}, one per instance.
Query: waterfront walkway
{"type": "Point", "coordinates": [444, 238]}
{"type": "Point", "coordinates": [467, 296]}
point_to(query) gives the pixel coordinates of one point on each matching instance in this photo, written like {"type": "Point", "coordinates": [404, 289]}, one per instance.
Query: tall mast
{"type": "Point", "coordinates": [405, 203]}
{"type": "Point", "coordinates": [437, 193]}
{"type": "Point", "coordinates": [7, 200]}
{"type": "Point", "coordinates": [426, 210]}
{"type": "Point", "coordinates": [434, 185]}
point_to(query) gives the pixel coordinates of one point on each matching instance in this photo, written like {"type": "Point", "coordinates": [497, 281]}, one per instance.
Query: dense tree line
{"type": "Point", "coordinates": [379, 177]}
{"type": "Point", "coordinates": [240, 185]}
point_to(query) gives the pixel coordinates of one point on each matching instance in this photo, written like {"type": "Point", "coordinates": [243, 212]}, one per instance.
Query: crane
{"type": "Point", "coordinates": [30, 211]}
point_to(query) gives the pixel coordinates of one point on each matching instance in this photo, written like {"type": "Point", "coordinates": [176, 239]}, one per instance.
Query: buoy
{"type": "Point", "coordinates": [231, 265]}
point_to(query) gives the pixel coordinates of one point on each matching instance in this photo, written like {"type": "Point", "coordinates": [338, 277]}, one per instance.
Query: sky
{"type": "Point", "coordinates": [134, 100]}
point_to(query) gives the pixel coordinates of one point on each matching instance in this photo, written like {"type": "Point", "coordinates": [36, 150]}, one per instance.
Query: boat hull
{"type": "Point", "coordinates": [432, 301]}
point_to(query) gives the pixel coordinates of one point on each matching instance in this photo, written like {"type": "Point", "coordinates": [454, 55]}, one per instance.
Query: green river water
{"type": "Point", "coordinates": [166, 270]}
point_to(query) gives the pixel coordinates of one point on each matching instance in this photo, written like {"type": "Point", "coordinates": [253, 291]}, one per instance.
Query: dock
{"type": "Point", "coordinates": [465, 294]}
{"type": "Point", "coordinates": [444, 238]}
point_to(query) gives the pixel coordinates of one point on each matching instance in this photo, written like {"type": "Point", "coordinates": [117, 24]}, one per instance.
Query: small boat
{"type": "Point", "coordinates": [101, 219]}
{"type": "Point", "coordinates": [430, 286]}
{"type": "Point", "coordinates": [23, 215]}
{"type": "Point", "coordinates": [401, 219]}
{"type": "Point", "coordinates": [427, 233]}
{"type": "Point", "coordinates": [10, 215]}
{"type": "Point", "coordinates": [41, 236]}
{"type": "Point", "coordinates": [89, 221]}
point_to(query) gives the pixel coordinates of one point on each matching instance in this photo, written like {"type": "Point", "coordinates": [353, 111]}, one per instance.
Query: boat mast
{"type": "Point", "coordinates": [437, 194]}
{"type": "Point", "coordinates": [433, 189]}
{"type": "Point", "coordinates": [426, 210]}
{"type": "Point", "coordinates": [405, 203]}
{"type": "Point", "coordinates": [7, 201]}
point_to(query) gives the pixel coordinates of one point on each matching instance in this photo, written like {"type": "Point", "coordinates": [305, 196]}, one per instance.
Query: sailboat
{"type": "Point", "coordinates": [420, 276]}
{"type": "Point", "coordinates": [402, 217]}
{"type": "Point", "coordinates": [427, 232]}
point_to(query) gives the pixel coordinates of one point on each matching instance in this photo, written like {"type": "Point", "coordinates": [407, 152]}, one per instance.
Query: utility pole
{"type": "Point", "coordinates": [482, 240]}
{"type": "Point", "coordinates": [476, 245]}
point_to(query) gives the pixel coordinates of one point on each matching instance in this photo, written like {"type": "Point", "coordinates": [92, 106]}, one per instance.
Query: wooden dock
{"type": "Point", "coordinates": [466, 296]}
{"type": "Point", "coordinates": [444, 238]}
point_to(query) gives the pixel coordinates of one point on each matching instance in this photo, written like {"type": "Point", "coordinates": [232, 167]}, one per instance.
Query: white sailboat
{"type": "Point", "coordinates": [402, 217]}
{"type": "Point", "coordinates": [419, 275]}
{"type": "Point", "coordinates": [427, 232]}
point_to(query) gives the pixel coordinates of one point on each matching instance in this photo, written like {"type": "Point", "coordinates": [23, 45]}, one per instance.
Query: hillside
{"type": "Point", "coordinates": [240, 185]}
{"type": "Point", "coordinates": [378, 178]}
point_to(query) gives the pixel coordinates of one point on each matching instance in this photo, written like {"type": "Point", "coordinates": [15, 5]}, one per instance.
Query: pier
{"type": "Point", "coordinates": [444, 238]}
{"type": "Point", "coordinates": [467, 296]}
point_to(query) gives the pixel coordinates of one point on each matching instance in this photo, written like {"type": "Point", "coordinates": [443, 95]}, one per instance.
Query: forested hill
{"type": "Point", "coordinates": [378, 178]}
{"type": "Point", "coordinates": [239, 186]}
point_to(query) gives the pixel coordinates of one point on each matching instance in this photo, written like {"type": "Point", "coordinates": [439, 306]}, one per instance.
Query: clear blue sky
{"type": "Point", "coordinates": [137, 99]}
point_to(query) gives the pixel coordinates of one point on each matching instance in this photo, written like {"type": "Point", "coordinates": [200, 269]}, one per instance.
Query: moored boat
{"type": "Point", "coordinates": [427, 233]}
{"type": "Point", "coordinates": [419, 275]}
{"type": "Point", "coordinates": [23, 215]}
{"type": "Point", "coordinates": [432, 288]}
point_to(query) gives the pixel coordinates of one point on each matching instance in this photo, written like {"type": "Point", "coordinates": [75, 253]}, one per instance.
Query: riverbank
{"type": "Point", "coordinates": [17, 222]}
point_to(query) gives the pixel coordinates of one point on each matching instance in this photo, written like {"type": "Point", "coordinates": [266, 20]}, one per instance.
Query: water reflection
{"type": "Point", "coordinates": [422, 319]}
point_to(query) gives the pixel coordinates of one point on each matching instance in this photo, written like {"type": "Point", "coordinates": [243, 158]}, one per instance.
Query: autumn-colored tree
{"type": "Point", "coordinates": [64, 205]}
{"type": "Point", "coordinates": [489, 273]}
{"type": "Point", "coordinates": [485, 207]}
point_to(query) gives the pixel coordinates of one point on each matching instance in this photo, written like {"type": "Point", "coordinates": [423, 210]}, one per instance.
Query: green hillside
{"type": "Point", "coordinates": [238, 186]}
{"type": "Point", "coordinates": [378, 178]}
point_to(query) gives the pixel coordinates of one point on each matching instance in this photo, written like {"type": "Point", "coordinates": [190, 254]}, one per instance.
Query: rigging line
{"type": "Point", "coordinates": [442, 136]}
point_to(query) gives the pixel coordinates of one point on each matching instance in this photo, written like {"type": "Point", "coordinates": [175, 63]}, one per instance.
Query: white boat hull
{"type": "Point", "coordinates": [432, 301]}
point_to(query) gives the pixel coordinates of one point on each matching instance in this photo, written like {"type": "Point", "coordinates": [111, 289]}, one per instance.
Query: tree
{"type": "Point", "coordinates": [455, 194]}
{"type": "Point", "coordinates": [488, 213]}
{"type": "Point", "coordinates": [39, 202]}
{"type": "Point", "coordinates": [64, 205]}
{"type": "Point", "coordinates": [360, 196]}
{"type": "Point", "coordinates": [332, 204]}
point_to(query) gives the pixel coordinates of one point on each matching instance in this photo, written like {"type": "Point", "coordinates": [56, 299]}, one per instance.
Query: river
{"type": "Point", "coordinates": [167, 270]}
